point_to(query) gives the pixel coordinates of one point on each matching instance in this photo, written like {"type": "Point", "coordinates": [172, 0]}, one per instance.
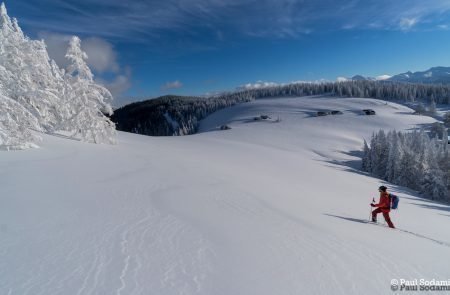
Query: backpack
{"type": "Point", "coordinates": [394, 201]}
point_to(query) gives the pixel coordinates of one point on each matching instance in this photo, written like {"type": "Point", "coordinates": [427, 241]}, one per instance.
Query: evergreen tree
{"type": "Point", "coordinates": [445, 139]}
{"type": "Point", "coordinates": [27, 74]}
{"type": "Point", "coordinates": [447, 119]}
{"type": "Point", "coordinates": [394, 157]}
{"type": "Point", "coordinates": [432, 107]}
{"type": "Point", "coordinates": [433, 183]}
{"type": "Point", "coordinates": [37, 94]}
{"type": "Point", "coordinates": [89, 101]}
{"type": "Point", "coordinates": [366, 157]}
{"type": "Point", "coordinates": [15, 125]}
{"type": "Point", "coordinates": [409, 171]}
{"type": "Point", "coordinates": [414, 160]}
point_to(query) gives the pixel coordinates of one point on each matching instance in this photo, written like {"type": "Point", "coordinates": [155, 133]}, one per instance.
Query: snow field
{"type": "Point", "coordinates": [263, 208]}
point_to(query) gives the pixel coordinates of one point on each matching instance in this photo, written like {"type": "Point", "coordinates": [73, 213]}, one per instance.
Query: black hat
{"type": "Point", "coordinates": [382, 188]}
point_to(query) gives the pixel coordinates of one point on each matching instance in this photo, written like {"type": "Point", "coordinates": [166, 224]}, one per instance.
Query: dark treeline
{"type": "Point", "coordinates": [385, 90]}
{"type": "Point", "coordinates": [170, 115]}
{"type": "Point", "coordinates": [177, 115]}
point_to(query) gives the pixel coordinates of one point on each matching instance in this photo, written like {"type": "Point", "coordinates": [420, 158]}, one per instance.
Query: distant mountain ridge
{"type": "Point", "coordinates": [434, 75]}
{"type": "Point", "coordinates": [438, 75]}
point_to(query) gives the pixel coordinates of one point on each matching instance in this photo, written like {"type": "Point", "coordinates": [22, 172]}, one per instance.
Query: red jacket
{"type": "Point", "coordinates": [384, 204]}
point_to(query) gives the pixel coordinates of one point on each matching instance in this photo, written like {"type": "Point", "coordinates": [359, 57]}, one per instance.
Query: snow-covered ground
{"type": "Point", "coordinates": [264, 208]}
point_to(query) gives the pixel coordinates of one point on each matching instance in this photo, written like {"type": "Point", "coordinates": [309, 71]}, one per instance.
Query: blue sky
{"type": "Point", "coordinates": [149, 48]}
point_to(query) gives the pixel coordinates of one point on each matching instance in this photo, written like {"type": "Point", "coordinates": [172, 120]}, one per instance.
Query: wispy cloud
{"type": "Point", "coordinates": [407, 23]}
{"type": "Point", "coordinates": [148, 20]}
{"type": "Point", "coordinates": [171, 85]}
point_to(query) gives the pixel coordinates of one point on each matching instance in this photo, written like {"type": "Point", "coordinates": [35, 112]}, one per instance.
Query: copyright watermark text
{"type": "Point", "coordinates": [420, 285]}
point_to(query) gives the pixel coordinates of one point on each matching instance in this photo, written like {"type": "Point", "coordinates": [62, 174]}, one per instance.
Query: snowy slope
{"type": "Point", "coordinates": [263, 208]}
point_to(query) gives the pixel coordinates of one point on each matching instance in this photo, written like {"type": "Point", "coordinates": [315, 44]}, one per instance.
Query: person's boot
{"type": "Point", "coordinates": [388, 220]}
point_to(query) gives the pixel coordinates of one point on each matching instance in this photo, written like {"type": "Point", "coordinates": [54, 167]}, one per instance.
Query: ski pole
{"type": "Point", "coordinates": [370, 208]}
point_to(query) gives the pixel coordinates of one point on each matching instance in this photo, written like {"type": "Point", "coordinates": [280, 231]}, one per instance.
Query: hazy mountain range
{"type": "Point", "coordinates": [437, 75]}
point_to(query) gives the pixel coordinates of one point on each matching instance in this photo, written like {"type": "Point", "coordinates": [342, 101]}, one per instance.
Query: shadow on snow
{"type": "Point", "coordinates": [354, 166]}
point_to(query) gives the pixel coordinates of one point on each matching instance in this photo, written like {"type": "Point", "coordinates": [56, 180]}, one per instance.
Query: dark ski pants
{"type": "Point", "coordinates": [385, 215]}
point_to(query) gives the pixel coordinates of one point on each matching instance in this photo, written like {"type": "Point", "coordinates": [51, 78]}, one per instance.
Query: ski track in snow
{"type": "Point", "coordinates": [414, 234]}
{"type": "Point", "coordinates": [144, 235]}
{"type": "Point", "coordinates": [297, 239]}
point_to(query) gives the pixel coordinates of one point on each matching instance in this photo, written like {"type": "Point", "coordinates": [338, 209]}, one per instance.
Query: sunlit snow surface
{"type": "Point", "coordinates": [264, 208]}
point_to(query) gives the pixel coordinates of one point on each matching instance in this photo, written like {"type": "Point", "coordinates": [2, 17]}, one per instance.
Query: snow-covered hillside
{"type": "Point", "coordinates": [264, 208]}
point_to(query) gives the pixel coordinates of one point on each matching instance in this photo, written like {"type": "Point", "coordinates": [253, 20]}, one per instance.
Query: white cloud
{"type": "Point", "coordinates": [377, 78]}
{"type": "Point", "coordinates": [101, 54]}
{"type": "Point", "coordinates": [256, 85]}
{"type": "Point", "coordinates": [348, 26]}
{"type": "Point", "coordinates": [382, 77]}
{"type": "Point", "coordinates": [342, 79]}
{"type": "Point", "coordinates": [56, 46]}
{"type": "Point", "coordinates": [172, 85]}
{"type": "Point", "coordinates": [407, 23]}
{"type": "Point", "coordinates": [119, 84]}
{"type": "Point", "coordinates": [102, 58]}
{"type": "Point", "coordinates": [264, 84]}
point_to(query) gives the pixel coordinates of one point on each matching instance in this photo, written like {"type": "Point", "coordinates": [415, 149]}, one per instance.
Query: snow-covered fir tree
{"type": "Point", "coordinates": [446, 119]}
{"type": "Point", "coordinates": [433, 181]}
{"type": "Point", "coordinates": [394, 156]}
{"type": "Point", "coordinates": [366, 161]}
{"type": "Point", "coordinates": [26, 73]}
{"type": "Point", "coordinates": [37, 94]}
{"type": "Point", "coordinates": [414, 160]}
{"type": "Point", "coordinates": [16, 124]}
{"type": "Point", "coordinates": [432, 107]}
{"type": "Point", "coordinates": [89, 101]}
{"type": "Point", "coordinates": [445, 139]}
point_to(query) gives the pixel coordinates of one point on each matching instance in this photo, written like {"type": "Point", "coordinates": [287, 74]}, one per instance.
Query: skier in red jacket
{"type": "Point", "coordinates": [384, 206]}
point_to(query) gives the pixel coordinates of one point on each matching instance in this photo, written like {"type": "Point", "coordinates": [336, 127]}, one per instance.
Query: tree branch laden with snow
{"type": "Point", "coordinates": [412, 160]}
{"type": "Point", "coordinates": [51, 99]}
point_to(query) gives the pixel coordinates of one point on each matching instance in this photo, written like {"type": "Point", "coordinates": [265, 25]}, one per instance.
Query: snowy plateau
{"type": "Point", "coordinates": [267, 207]}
